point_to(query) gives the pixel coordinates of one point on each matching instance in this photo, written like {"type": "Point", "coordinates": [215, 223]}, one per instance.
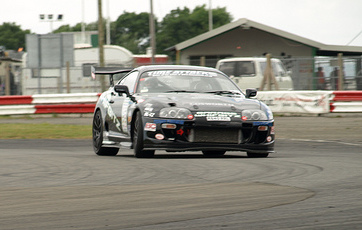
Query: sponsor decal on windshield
{"type": "Point", "coordinates": [181, 73]}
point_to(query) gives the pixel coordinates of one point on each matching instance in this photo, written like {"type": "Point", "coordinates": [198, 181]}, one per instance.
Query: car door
{"type": "Point", "coordinates": [121, 103]}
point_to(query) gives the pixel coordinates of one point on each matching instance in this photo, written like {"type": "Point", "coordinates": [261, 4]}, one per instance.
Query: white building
{"type": "Point", "coordinates": [72, 79]}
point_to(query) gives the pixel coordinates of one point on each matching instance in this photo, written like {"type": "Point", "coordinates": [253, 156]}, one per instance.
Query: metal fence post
{"type": "Point", "coordinates": [340, 72]}
{"type": "Point", "coordinates": [68, 77]}
{"type": "Point", "coordinates": [7, 78]}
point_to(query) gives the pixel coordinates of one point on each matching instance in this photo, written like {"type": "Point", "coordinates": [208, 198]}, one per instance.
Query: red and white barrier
{"type": "Point", "coordinates": [48, 103]}
{"type": "Point", "coordinates": [346, 102]}
{"type": "Point", "coordinates": [316, 102]}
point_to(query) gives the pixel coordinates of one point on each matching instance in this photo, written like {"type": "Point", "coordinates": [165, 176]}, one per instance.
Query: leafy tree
{"type": "Point", "coordinates": [12, 36]}
{"type": "Point", "coordinates": [175, 27]}
{"type": "Point", "coordinates": [78, 27]}
{"type": "Point", "coordinates": [93, 26]}
{"type": "Point", "coordinates": [131, 31]}
{"type": "Point", "coordinates": [64, 28]}
{"type": "Point", "coordinates": [182, 24]}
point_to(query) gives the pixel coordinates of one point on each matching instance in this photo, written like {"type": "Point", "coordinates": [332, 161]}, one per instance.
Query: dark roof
{"type": "Point", "coordinates": [322, 49]}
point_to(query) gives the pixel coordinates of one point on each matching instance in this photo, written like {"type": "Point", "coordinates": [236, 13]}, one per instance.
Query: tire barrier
{"type": "Point", "coordinates": [279, 101]}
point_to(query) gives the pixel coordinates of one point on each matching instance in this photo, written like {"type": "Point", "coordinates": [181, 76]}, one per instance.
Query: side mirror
{"type": "Point", "coordinates": [124, 89]}
{"type": "Point", "coordinates": [121, 89]}
{"type": "Point", "coordinates": [251, 93]}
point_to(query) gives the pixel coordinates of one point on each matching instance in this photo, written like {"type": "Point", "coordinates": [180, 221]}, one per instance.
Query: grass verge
{"type": "Point", "coordinates": [45, 131]}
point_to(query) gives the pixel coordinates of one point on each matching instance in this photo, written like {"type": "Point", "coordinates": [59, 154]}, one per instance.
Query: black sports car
{"type": "Point", "coordinates": [180, 108]}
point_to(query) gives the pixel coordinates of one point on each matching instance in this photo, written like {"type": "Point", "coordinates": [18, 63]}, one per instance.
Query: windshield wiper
{"type": "Point", "coordinates": [219, 92]}
{"type": "Point", "coordinates": [180, 91]}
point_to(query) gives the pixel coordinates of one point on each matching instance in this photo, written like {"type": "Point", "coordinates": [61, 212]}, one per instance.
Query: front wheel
{"type": "Point", "coordinates": [138, 139]}
{"type": "Point", "coordinates": [257, 155]}
{"type": "Point", "coordinates": [97, 133]}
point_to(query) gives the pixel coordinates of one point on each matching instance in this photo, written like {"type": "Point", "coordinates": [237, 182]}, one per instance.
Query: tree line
{"type": "Point", "coordinates": [131, 30]}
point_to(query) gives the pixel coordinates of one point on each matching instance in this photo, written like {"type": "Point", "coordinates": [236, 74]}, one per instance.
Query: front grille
{"type": "Point", "coordinates": [232, 136]}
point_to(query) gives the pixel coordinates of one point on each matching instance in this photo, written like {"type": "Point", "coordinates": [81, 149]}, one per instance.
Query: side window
{"type": "Point", "coordinates": [280, 69]}
{"type": "Point", "coordinates": [245, 68]}
{"type": "Point", "coordinates": [130, 81]}
{"type": "Point", "coordinates": [228, 68]}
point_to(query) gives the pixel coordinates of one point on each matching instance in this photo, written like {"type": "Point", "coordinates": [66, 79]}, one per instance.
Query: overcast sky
{"type": "Point", "coordinates": [333, 22]}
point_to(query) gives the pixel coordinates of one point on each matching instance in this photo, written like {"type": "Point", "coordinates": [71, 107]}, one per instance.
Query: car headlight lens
{"type": "Point", "coordinates": [254, 115]}
{"type": "Point", "coordinates": [270, 114]}
{"type": "Point", "coordinates": [179, 113]}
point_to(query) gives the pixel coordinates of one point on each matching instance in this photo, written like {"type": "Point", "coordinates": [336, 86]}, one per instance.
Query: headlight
{"type": "Point", "coordinates": [179, 113]}
{"type": "Point", "coordinates": [270, 114]}
{"type": "Point", "coordinates": [254, 115]}
{"type": "Point", "coordinates": [268, 111]}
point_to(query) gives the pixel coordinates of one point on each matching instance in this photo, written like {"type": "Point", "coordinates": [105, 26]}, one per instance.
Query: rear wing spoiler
{"type": "Point", "coordinates": [92, 71]}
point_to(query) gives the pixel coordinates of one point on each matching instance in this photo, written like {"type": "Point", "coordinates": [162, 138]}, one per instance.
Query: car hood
{"type": "Point", "coordinates": [198, 102]}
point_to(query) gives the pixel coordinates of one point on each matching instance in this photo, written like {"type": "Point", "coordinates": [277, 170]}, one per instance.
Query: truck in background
{"type": "Point", "coordinates": [248, 72]}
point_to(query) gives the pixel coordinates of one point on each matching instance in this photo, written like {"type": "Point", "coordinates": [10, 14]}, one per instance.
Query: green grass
{"type": "Point", "coordinates": [45, 131]}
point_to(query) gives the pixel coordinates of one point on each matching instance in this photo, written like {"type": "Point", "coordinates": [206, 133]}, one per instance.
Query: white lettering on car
{"type": "Point", "coordinates": [181, 73]}
{"type": "Point", "coordinates": [125, 106]}
{"type": "Point", "coordinates": [217, 116]}
{"type": "Point", "coordinates": [110, 111]}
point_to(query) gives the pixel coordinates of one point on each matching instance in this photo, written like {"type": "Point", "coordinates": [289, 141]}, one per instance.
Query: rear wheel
{"type": "Point", "coordinates": [213, 153]}
{"type": "Point", "coordinates": [257, 155]}
{"type": "Point", "coordinates": [138, 139]}
{"type": "Point", "coordinates": [97, 133]}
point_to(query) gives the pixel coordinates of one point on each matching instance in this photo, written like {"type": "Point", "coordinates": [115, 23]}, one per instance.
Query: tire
{"type": "Point", "coordinates": [213, 153]}
{"type": "Point", "coordinates": [97, 134]}
{"type": "Point", "coordinates": [257, 155]}
{"type": "Point", "coordinates": [138, 139]}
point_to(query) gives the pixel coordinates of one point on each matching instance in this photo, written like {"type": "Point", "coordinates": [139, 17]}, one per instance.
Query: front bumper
{"type": "Point", "coordinates": [185, 135]}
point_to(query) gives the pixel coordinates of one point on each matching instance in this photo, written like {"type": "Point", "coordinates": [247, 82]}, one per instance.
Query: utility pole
{"type": "Point", "coordinates": [152, 34]}
{"type": "Point", "coordinates": [210, 16]}
{"type": "Point", "coordinates": [108, 26]}
{"type": "Point", "coordinates": [83, 23]}
{"type": "Point", "coordinates": [101, 42]}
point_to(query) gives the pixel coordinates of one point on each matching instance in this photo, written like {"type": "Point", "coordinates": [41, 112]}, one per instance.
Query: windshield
{"type": "Point", "coordinates": [163, 81]}
{"type": "Point", "coordinates": [238, 68]}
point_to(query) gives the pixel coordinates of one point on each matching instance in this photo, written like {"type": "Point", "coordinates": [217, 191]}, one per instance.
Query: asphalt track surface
{"type": "Point", "coordinates": [312, 182]}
